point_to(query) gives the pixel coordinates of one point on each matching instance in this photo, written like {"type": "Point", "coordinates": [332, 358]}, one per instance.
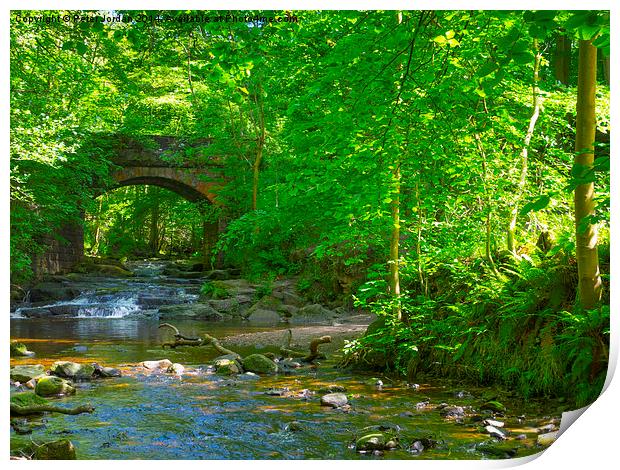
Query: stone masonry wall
{"type": "Point", "coordinates": [61, 255]}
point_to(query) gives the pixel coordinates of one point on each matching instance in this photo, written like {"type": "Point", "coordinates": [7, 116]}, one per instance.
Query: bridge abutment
{"type": "Point", "coordinates": [65, 250]}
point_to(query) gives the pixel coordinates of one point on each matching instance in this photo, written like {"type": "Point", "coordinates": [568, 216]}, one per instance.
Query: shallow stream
{"type": "Point", "coordinates": [200, 415]}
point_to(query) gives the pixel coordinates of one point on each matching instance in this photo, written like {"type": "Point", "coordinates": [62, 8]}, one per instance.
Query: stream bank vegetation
{"type": "Point", "coordinates": [446, 170]}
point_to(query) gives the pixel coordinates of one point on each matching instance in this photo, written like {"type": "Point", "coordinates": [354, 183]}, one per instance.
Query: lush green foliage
{"type": "Point", "coordinates": [335, 120]}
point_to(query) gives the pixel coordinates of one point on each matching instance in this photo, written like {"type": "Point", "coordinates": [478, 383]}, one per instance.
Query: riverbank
{"type": "Point", "coordinates": [192, 411]}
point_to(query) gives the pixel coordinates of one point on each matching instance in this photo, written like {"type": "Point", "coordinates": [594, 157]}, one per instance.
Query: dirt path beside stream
{"type": "Point", "coordinates": [345, 329]}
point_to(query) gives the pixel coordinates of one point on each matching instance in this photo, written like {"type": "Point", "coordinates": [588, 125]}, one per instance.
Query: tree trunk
{"type": "Point", "coordinates": [606, 72]}
{"type": "Point", "coordinates": [95, 248]}
{"type": "Point", "coordinates": [154, 243]}
{"type": "Point", "coordinates": [260, 145]}
{"type": "Point", "coordinates": [512, 225]}
{"type": "Point", "coordinates": [209, 240]}
{"type": "Point", "coordinates": [421, 278]}
{"type": "Point", "coordinates": [394, 244]}
{"type": "Point", "coordinates": [586, 234]}
{"type": "Point", "coordinates": [562, 58]}
{"type": "Point", "coordinates": [488, 209]}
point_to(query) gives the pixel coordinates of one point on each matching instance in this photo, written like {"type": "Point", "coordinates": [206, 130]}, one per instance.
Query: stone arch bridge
{"type": "Point", "coordinates": [151, 160]}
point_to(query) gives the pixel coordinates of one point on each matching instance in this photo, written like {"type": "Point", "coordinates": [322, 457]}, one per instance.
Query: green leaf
{"type": "Point", "coordinates": [538, 204]}
{"type": "Point", "coordinates": [522, 58]}
{"type": "Point", "coordinates": [487, 69]}
{"type": "Point", "coordinates": [81, 48]}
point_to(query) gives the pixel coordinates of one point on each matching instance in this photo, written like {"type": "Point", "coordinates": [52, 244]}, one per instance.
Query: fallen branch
{"type": "Point", "coordinates": [179, 339]}
{"type": "Point", "coordinates": [206, 340]}
{"type": "Point", "coordinates": [218, 347]}
{"type": "Point", "coordinates": [314, 350]}
{"type": "Point", "coordinates": [37, 409]}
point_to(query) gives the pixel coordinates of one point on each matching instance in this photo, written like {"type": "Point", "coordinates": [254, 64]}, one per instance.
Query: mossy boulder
{"type": "Point", "coordinates": [52, 291]}
{"type": "Point", "coordinates": [371, 442]}
{"type": "Point", "coordinates": [312, 314]}
{"type": "Point", "coordinates": [27, 399]}
{"type": "Point", "coordinates": [200, 311]}
{"type": "Point", "coordinates": [20, 350]}
{"type": "Point", "coordinates": [53, 386]}
{"type": "Point", "coordinates": [259, 364]}
{"type": "Point", "coordinates": [332, 388]}
{"type": "Point", "coordinates": [26, 372]}
{"type": "Point", "coordinates": [374, 441]}
{"type": "Point", "coordinates": [225, 366]}
{"type": "Point", "coordinates": [62, 449]}
{"type": "Point", "coordinates": [72, 370]}
{"type": "Point", "coordinates": [229, 306]}
{"type": "Point", "coordinates": [190, 274]}
{"type": "Point", "coordinates": [113, 271]}
{"type": "Point", "coordinates": [260, 315]}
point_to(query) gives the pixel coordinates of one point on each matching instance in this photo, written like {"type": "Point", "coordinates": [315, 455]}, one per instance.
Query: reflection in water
{"type": "Point", "coordinates": [199, 415]}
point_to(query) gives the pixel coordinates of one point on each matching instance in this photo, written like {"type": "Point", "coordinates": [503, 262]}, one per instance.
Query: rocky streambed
{"type": "Point", "coordinates": [192, 402]}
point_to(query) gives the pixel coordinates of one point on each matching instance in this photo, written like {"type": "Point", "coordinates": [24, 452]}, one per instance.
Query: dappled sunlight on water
{"type": "Point", "coordinates": [199, 415]}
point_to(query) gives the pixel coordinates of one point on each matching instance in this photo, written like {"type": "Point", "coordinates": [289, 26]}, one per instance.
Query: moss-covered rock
{"type": "Point", "coordinates": [52, 291]}
{"type": "Point", "coordinates": [377, 441]}
{"type": "Point", "coordinates": [229, 306]}
{"type": "Point", "coordinates": [370, 442]}
{"type": "Point", "coordinates": [259, 364]}
{"type": "Point", "coordinates": [20, 350]}
{"type": "Point", "coordinates": [264, 316]}
{"type": "Point", "coordinates": [199, 311]}
{"type": "Point", "coordinates": [72, 370]}
{"type": "Point", "coordinates": [312, 314]}
{"type": "Point", "coordinates": [111, 270]}
{"type": "Point", "coordinates": [24, 373]}
{"type": "Point", "coordinates": [27, 399]}
{"type": "Point", "coordinates": [53, 386]}
{"type": "Point", "coordinates": [62, 449]}
{"type": "Point", "coordinates": [332, 388]}
{"type": "Point", "coordinates": [224, 366]}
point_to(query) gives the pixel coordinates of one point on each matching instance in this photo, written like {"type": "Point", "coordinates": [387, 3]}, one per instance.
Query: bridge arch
{"type": "Point", "coordinates": [188, 183]}
{"type": "Point", "coordinates": [138, 163]}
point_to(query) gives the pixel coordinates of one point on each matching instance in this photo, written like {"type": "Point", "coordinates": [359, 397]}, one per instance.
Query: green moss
{"type": "Point", "coordinates": [20, 350]}
{"type": "Point", "coordinates": [259, 364]}
{"type": "Point", "coordinates": [27, 399]}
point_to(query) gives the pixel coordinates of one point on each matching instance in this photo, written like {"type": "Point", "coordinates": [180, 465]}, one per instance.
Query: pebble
{"type": "Point", "coordinates": [335, 400]}
{"type": "Point", "coordinates": [494, 432]}
{"type": "Point", "coordinates": [492, 422]}
{"type": "Point", "coordinates": [547, 439]}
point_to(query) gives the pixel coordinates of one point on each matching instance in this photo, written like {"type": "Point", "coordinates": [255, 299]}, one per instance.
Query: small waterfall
{"type": "Point", "coordinates": [117, 307]}
{"type": "Point", "coordinates": [114, 297]}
